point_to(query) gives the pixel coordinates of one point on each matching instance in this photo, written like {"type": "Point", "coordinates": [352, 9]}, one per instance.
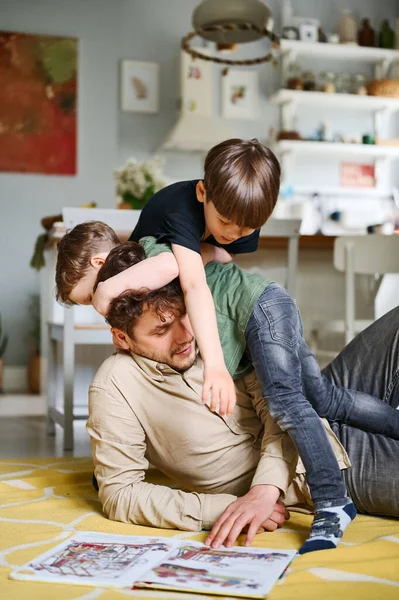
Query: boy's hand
{"type": "Point", "coordinates": [254, 512]}
{"type": "Point", "coordinates": [101, 300]}
{"type": "Point", "coordinates": [220, 385]}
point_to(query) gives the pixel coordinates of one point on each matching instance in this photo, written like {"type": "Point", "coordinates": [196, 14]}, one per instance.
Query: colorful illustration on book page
{"type": "Point", "coordinates": [240, 571]}
{"type": "Point", "coordinates": [98, 559]}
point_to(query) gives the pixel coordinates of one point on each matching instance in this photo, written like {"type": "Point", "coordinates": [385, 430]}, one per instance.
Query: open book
{"type": "Point", "coordinates": [106, 560]}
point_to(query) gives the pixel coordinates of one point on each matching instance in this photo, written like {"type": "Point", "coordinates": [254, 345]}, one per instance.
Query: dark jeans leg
{"type": "Point", "coordinates": [370, 364]}
{"type": "Point", "coordinates": [272, 335]}
{"type": "Point", "coordinates": [373, 479]}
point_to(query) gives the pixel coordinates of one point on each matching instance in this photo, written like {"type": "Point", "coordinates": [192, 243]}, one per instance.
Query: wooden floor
{"type": "Point", "coordinates": [26, 437]}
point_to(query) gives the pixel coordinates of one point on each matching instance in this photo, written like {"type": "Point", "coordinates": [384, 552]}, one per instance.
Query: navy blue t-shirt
{"type": "Point", "coordinates": [174, 215]}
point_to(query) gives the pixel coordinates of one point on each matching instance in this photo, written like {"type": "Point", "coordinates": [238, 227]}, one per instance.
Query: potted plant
{"type": "Point", "coordinates": [34, 335]}
{"type": "Point", "coordinates": [137, 181]}
{"type": "Point", "coordinates": [3, 347]}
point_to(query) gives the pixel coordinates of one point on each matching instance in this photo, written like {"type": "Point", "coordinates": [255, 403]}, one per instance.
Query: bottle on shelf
{"type": "Point", "coordinates": [309, 82]}
{"type": "Point", "coordinates": [386, 37]}
{"type": "Point", "coordinates": [359, 84]}
{"type": "Point", "coordinates": [327, 82]}
{"type": "Point", "coordinates": [347, 28]}
{"type": "Point", "coordinates": [343, 83]}
{"type": "Point", "coordinates": [294, 78]}
{"type": "Point", "coordinates": [366, 35]}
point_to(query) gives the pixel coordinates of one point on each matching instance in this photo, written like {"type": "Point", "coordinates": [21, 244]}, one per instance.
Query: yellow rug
{"type": "Point", "coordinates": [43, 500]}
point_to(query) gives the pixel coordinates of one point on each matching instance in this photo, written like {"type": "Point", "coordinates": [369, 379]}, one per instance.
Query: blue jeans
{"type": "Point", "coordinates": [298, 393]}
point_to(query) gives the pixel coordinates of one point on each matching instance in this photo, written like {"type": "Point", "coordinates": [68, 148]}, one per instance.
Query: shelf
{"type": "Point", "coordinates": [344, 101]}
{"type": "Point", "coordinates": [339, 51]}
{"type": "Point", "coordinates": [364, 150]}
{"type": "Point", "coordinates": [349, 192]}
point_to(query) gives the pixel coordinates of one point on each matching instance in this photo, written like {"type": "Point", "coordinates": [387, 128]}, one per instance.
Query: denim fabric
{"type": "Point", "coordinates": [297, 392]}
{"type": "Point", "coordinates": [371, 363]}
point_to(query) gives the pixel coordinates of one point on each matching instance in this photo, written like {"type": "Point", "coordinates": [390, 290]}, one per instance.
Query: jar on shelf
{"type": "Point", "coordinates": [359, 84]}
{"type": "Point", "coordinates": [327, 82]}
{"type": "Point", "coordinates": [343, 83]}
{"type": "Point", "coordinates": [294, 79]}
{"type": "Point", "coordinates": [309, 81]}
{"type": "Point", "coordinates": [347, 28]}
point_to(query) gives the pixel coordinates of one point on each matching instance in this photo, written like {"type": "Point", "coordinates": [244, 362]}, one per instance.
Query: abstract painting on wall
{"type": "Point", "coordinates": [38, 103]}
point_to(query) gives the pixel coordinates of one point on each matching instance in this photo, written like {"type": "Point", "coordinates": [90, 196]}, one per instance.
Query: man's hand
{"type": "Point", "coordinates": [219, 384]}
{"type": "Point", "coordinates": [256, 510]}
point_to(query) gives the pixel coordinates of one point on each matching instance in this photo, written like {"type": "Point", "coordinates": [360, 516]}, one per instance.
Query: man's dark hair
{"type": "Point", "coordinates": [242, 179]}
{"type": "Point", "coordinates": [130, 305]}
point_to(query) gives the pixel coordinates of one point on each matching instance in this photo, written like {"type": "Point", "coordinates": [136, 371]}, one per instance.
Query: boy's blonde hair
{"type": "Point", "coordinates": [242, 179]}
{"type": "Point", "coordinates": [75, 250]}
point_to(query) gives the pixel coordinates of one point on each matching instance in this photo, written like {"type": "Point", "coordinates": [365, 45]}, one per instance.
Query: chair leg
{"type": "Point", "coordinates": [51, 382]}
{"type": "Point", "coordinates": [68, 376]}
{"type": "Point", "coordinates": [349, 292]}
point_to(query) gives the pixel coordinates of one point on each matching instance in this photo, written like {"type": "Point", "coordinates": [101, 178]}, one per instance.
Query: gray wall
{"type": "Point", "coordinates": [109, 30]}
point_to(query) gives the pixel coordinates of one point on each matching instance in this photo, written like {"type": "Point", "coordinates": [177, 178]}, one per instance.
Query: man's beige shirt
{"type": "Point", "coordinates": [144, 412]}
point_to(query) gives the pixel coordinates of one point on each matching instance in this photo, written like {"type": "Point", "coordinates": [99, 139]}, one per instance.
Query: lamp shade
{"type": "Point", "coordinates": [237, 12]}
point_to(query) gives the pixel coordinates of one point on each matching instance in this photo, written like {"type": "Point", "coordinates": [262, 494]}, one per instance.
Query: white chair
{"type": "Point", "coordinates": [271, 264]}
{"type": "Point", "coordinates": [64, 328]}
{"type": "Point", "coordinates": [69, 334]}
{"type": "Point", "coordinates": [290, 229]}
{"type": "Point", "coordinates": [375, 255]}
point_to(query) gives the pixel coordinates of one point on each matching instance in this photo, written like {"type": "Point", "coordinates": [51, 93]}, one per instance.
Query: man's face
{"type": "Point", "coordinates": [169, 341]}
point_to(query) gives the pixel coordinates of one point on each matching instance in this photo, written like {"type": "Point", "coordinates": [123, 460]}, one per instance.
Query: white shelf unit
{"type": "Point", "coordinates": [380, 107]}
{"type": "Point", "coordinates": [381, 58]}
{"type": "Point", "coordinates": [365, 150]}
{"type": "Point", "coordinates": [337, 101]}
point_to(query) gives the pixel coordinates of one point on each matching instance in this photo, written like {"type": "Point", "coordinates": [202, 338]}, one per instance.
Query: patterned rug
{"type": "Point", "coordinates": [43, 500]}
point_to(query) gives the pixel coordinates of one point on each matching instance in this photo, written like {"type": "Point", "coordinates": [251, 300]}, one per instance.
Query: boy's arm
{"type": "Point", "coordinates": [210, 253]}
{"type": "Point", "coordinates": [201, 310]}
{"type": "Point", "coordinates": [151, 273]}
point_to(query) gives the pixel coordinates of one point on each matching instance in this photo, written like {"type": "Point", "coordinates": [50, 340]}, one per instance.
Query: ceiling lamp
{"type": "Point", "coordinates": [231, 22]}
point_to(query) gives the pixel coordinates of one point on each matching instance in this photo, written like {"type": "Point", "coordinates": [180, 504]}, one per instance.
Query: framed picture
{"type": "Point", "coordinates": [240, 95]}
{"type": "Point", "coordinates": [39, 103]}
{"type": "Point", "coordinates": [196, 85]}
{"type": "Point", "coordinates": [139, 86]}
{"type": "Point", "coordinates": [357, 175]}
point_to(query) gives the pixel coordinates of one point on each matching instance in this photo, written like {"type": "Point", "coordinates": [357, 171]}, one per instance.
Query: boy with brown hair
{"type": "Point", "coordinates": [226, 209]}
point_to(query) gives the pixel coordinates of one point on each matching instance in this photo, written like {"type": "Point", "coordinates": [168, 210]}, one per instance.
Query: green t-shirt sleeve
{"type": "Point", "coordinates": [152, 247]}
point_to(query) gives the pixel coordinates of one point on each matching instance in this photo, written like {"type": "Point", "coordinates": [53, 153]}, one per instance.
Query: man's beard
{"type": "Point", "coordinates": [180, 367]}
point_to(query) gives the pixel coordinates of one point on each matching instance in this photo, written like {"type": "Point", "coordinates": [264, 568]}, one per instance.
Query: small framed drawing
{"type": "Point", "coordinates": [357, 175]}
{"type": "Point", "coordinates": [240, 95]}
{"type": "Point", "coordinates": [139, 86]}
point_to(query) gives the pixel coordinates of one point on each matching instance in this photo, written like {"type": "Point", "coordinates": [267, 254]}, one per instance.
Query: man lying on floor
{"type": "Point", "coordinates": [145, 407]}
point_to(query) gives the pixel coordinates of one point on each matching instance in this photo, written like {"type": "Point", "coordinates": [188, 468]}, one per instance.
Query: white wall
{"type": "Point", "coordinates": [109, 30]}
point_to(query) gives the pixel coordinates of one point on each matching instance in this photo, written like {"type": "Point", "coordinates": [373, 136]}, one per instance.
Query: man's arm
{"type": "Point", "coordinates": [201, 310]}
{"type": "Point", "coordinates": [118, 447]}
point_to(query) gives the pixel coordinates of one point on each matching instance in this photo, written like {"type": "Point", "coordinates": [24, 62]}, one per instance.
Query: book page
{"type": "Point", "coordinates": [237, 571]}
{"type": "Point", "coordinates": [98, 559]}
